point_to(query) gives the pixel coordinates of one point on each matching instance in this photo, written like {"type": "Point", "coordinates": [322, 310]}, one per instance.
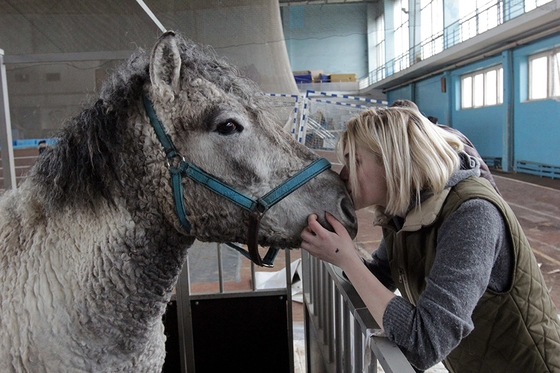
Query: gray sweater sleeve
{"type": "Point", "coordinates": [469, 243]}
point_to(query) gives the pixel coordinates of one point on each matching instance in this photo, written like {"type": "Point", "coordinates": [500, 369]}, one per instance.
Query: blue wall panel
{"type": "Point", "coordinates": [402, 93]}
{"type": "Point", "coordinates": [431, 100]}
{"type": "Point", "coordinates": [537, 132]}
{"type": "Point", "coordinates": [333, 38]}
{"type": "Point", "coordinates": [517, 130]}
{"type": "Point", "coordinates": [536, 123]}
{"type": "Point", "coordinates": [484, 126]}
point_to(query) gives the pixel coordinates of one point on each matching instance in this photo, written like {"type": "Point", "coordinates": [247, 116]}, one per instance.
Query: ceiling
{"type": "Point", "coordinates": [322, 2]}
{"type": "Point", "coordinates": [247, 32]}
{"type": "Point", "coordinates": [74, 30]}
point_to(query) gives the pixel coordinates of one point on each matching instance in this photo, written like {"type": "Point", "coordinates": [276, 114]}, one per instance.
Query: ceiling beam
{"type": "Point", "coordinates": [320, 2]}
{"type": "Point", "coordinates": [145, 13]}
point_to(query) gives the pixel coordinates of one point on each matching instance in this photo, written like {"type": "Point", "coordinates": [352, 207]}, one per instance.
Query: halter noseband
{"type": "Point", "coordinates": [257, 208]}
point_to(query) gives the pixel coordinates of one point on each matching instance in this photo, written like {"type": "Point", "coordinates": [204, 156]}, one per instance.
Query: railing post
{"type": "Point", "coordinates": [342, 325]}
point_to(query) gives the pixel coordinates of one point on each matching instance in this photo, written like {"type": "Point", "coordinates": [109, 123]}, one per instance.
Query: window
{"type": "Point", "coordinates": [431, 30]}
{"type": "Point", "coordinates": [533, 4]}
{"type": "Point", "coordinates": [544, 76]}
{"type": "Point", "coordinates": [482, 88]}
{"type": "Point", "coordinates": [380, 47]}
{"type": "Point", "coordinates": [478, 16]}
{"type": "Point", "coordinates": [401, 37]}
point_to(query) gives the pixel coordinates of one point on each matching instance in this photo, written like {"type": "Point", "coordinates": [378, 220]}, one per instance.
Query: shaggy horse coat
{"type": "Point", "coordinates": [90, 244]}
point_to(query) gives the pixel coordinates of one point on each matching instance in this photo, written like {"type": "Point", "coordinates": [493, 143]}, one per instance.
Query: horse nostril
{"type": "Point", "coordinates": [348, 209]}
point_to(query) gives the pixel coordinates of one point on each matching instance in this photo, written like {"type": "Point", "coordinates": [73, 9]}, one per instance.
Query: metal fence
{"type": "Point", "coordinates": [218, 327]}
{"type": "Point", "coordinates": [341, 333]}
{"type": "Point", "coordinates": [324, 116]}
{"type": "Point", "coordinates": [488, 16]}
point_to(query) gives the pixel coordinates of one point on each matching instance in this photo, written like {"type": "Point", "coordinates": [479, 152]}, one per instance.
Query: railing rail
{"type": "Point", "coordinates": [488, 16]}
{"type": "Point", "coordinates": [341, 326]}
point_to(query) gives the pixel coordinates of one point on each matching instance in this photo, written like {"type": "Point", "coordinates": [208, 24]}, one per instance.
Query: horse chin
{"type": "Point", "coordinates": [281, 243]}
{"type": "Point", "coordinates": [352, 228]}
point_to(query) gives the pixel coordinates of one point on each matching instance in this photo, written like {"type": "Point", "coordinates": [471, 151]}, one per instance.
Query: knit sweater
{"type": "Point", "coordinates": [473, 254]}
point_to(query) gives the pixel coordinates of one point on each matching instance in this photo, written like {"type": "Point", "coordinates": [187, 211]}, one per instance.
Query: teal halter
{"type": "Point", "coordinates": [257, 208]}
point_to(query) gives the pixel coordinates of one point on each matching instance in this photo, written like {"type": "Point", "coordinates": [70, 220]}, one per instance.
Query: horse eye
{"type": "Point", "coordinates": [228, 127]}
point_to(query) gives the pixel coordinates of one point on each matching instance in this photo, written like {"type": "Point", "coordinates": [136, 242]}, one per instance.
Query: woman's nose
{"type": "Point", "coordinates": [344, 174]}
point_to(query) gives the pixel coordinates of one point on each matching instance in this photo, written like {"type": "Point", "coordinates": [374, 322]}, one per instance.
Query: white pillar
{"type": "Point", "coordinates": [6, 130]}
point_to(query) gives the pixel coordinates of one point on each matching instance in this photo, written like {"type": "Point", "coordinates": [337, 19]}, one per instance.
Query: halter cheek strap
{"type": "Point", "coordinates": [257, 208]}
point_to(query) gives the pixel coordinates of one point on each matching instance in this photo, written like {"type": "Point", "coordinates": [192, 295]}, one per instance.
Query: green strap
{"type": "Point", "coordinates": [215, 185]}
{"type": "Point", "coordinates": [162, 136]}
{"type": "Point", "coordinates": [176, 179]}
{"type": "Point", "coordinates": [293, 183]}
{"type": "Point", "coordinates": [258, 207]}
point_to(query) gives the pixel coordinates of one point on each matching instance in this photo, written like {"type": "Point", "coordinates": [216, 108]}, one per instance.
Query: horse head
{"type": "Point", "coordinates": [218, 121]}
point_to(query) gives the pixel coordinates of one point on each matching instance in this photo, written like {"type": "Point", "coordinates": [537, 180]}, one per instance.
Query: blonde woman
{"type": "Point", "coordinates": [472, 293]}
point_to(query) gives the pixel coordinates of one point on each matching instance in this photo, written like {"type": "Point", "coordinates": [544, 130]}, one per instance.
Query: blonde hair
{"type": "Point", "coordinates": [416, 154]}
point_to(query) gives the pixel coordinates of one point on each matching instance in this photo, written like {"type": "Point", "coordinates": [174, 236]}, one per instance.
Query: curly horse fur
{"type": "Point", "coordinates": [90, 245]}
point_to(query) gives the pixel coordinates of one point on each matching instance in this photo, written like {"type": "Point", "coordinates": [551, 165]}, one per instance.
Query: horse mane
{"type": "Point", "coordinates": [84, 163]}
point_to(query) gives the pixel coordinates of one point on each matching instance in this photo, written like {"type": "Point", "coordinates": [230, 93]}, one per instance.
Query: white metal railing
{"type": "Point", "coordinates": [481, 20]}
{"type": "Point", "coordinates": [340, 325]}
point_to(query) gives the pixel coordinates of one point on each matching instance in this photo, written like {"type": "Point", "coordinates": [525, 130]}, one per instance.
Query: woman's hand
{"type": "Point", "coordinates": [337, 248]}
{"type": "Point", "coordinates": [333, 247]}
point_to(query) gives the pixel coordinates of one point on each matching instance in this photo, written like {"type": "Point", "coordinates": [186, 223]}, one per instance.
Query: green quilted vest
{"type": "Point", "coordinates": [515, 331]}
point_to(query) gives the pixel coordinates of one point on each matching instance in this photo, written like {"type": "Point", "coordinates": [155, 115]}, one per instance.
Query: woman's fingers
{"type": "Point", "coordinates": [307, 234]}
{"type": "Point", "coordinates": [337, 226]}
{"type": "Point", "coordinates": [316, 229]}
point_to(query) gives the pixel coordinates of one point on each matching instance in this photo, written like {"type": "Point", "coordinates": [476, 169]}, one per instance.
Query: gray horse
{"type": "Point", "coordinates": [91, 244]}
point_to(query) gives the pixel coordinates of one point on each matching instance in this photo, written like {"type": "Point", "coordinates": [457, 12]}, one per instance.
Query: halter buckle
{"type": "Point", "coordinates": [180, 160]}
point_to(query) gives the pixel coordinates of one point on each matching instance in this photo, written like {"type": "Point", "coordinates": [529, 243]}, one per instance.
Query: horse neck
{"type": "Point", "coordinates": [134, 270]}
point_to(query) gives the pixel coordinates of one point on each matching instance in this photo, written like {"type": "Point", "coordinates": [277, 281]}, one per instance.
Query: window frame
{"type": "Point", "coordinates": [477, 78]}
{"type": "Point", "coordinates": [552, 70]}
{"type": "Point", "coordinates": [401, 35]}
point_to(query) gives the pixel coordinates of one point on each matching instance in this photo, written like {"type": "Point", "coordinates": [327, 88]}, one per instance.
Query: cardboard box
{"type": "Point", "coordinates": [343, 78]}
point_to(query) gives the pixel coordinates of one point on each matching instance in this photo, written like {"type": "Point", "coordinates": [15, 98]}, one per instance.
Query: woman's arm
{"type": "Point", "coordinates": [468, 244]}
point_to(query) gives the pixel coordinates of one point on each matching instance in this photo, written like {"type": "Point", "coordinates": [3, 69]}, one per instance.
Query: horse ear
{"type": "Point", "coordinates": [165, 63]}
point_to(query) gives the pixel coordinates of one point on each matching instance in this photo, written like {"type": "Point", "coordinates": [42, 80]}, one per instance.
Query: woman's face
{"type": "Point", "coordinates": [372, 185]}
